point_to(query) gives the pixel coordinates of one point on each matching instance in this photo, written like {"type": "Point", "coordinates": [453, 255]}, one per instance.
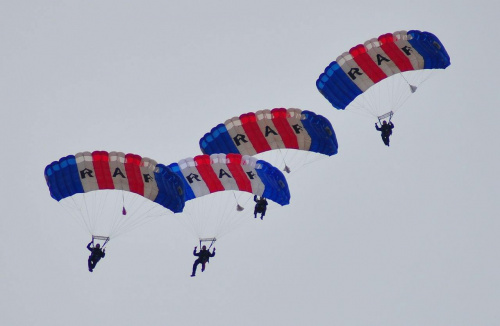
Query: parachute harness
{"type": "Point", "coordinates": [98, 237]}
{"type": "Point", "coordinates": [385, 115]}
{"type": "Point", "coordinates": [211, 240]}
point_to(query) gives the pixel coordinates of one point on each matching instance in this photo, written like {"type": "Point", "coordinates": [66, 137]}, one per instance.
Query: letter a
{"type": "Point", "coordinates": [270, 131]}
{"type": "Point", "coordinates": [224, 173]}
{"type": "Point", "coordinates": [381, 58]}
{"type": "Point", "coordinates": [118, 172]}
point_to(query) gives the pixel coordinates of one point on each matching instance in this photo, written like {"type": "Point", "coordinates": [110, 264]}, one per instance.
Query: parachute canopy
{"type": "Point", "coordinates": [112, 193]}
{"type": "Point", "coordinates": [99, 170]}
{"type": "Point", "coordinates": [365, 65]}
{"type": "Point", "coordinates": [204, 174]}
{"type": "Point", "coordinates": [256, 132]}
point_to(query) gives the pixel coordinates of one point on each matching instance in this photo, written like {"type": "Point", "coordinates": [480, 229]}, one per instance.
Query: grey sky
{"type": "Point", "coordinates": [406, 235]}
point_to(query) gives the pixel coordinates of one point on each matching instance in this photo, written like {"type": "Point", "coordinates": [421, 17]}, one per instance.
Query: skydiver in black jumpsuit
{"type": "Point", "coordinates": [260, 207]}
{"type": "Point", "coordinates": [386, 131]}
{"type": "Point", "coordinates": [203, 258]}
{"type": "Point", "coordinates": [96, 254]}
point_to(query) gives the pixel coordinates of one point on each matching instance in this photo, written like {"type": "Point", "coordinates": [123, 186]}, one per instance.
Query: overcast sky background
{"type": "Point", "coordinates": [406, 235]}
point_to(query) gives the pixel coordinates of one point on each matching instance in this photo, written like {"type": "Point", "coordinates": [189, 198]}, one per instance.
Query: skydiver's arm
{"type": "Point", "coordinates": [88, 246]}
{"type": "Point", "coordinates": [213, 253]}
{"type": "Point", "coordinates": [194, 252]}
{"type": "Point", "coordinates": [255, 198]}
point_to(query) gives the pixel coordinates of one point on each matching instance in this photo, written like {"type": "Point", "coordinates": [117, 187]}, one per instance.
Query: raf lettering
{"type": "Point", "coordinates": [297, 128]}
{"type": "Point", "coordinates": [353, 72]}
{"type": "Point", "coordinates": [119, 172]}
{"type": "Point", "coordinates": [270, 131]}
{"type": "Point", "coordinates": [251, 175]}
{"type": "Point", "coordinates": [191, 177]}
{"type": "Point", "coordinates": [238, 138]}
{"type": "Point", "coordinates": [86, 172]}
{"type": "Point", "coordinates": [381, 58]}
{"type": "Point", "coordinates": [147, 177]}
{"type": "Point", "coordinates": [224, 173]}
{"type": "Point", "coordinates": [407, 50]}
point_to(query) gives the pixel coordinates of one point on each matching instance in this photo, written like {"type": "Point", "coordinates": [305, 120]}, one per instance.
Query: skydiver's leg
{"type": "Point", "coordinates": [203, 266]}
{"type": "Point", "coordinates": [259, 209]}
{"type": "Point", "coordinates": [195, 265]}
{"type": "Point", "coordinates": [92, 263]}
{"type": "Point", "coordinates": [385, 139]}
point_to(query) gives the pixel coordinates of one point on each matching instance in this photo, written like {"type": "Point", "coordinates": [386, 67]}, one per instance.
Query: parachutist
{"type": "Point", "coordinates": [203, 258]}
{"type": "Point", "coordinates": [385, 131]}
{"type": "Point", "coordinates": [96, 254]}
{"type": "Point", "coordinates": [95, 190]}
{"type": "Point", "coordinates": [260, 207]}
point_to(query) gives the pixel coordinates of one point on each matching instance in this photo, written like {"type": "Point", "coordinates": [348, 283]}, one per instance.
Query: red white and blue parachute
{"type": "Point", "coordinates": [219, 191]}
{"type": "Point", "coordinates": [256, 132]}
{"type": "Point", "coordinates": [207, 174]}
{"type": "Point", "coordinates": [278, 129]}
{"type": "Point", "coordinates": [355, 72]}
{"type": "Point", "coordinates": [94, 186]}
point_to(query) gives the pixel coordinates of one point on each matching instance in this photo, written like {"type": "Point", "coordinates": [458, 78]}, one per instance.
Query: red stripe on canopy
{"type": "Point", "coordinates": [208, 175]}
{"type": "Point", "coordinates": [134, 175]}
{"type": "Point", "coordinates": [279, 117]}
{"type": "Point", "coordinates": [394, 53]}
{"type": "Point", "coordinates": [366, 63]}
{"type": "Point", "coordinates": [100, 161]}
{"type": "Point", "coordinates": [255, 136]}
{"type": "Point", "coordinates": [239, 175]}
